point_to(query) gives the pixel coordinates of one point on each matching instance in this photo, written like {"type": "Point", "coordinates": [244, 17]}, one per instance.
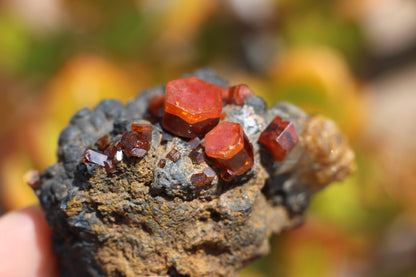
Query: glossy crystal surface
{"type": "Point", "coordinates": [95, 157]}
{"type": "Point", "coordinates": [192, 107]}
{"type": "Point", "coordinates": [196, 157]}
{"type": "Point", "coordinates": [238, 94]}
{"type": "Point", "coordinates": [279, 138]}
{"type": "Point", "coordinates": [204, 178]}
{"type": "Point", "coordinates": [144, 130]}
{"type": "Point", "coordinates": [229, 148]}
{"type": "Point", "coordinates": [173, 155]}
{"type": "Point", "coordinates": [135, 144]}
{"type": "Point", "coordinates": [195, 143]}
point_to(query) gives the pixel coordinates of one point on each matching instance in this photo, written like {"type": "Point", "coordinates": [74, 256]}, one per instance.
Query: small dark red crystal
{"type": "Point", "coordinates": [144, 130]}
{"type": "Point", "coordinates": [162, 163]}
{"type": "Point", "coordinates": [227, 175]}
{"type": "Point", "coordinates": [135, 144]}
{"type": "Point", "coordinates": [95, 157]}
{"type": "Point", "coordinates": [166, 137]}
{"type": "Point", "coordinates": [195, 143]}
{"type": "Point", "coordinates": [112, 149]}
{"type": "Point", "coordinates": [111, 152]}
{"type": "Point", "coordinates": [102, 143]}
{"type": "Point", "coordinates": [202, 179]}
{"type": "Point", "coordinates": [196, 157]}
{"type": "Point", "coordinates": [209, 172]}
{"type": "Point", "coordinates": [279, 138]}
{"type": "Point", "coordinates": [192, 107]}
{"type": "Point", "coordinates": [237, 94]}
{"type": "Point", "coordinates": [229, 148]}
{"type": "Point", "coordinates": [173, 155]}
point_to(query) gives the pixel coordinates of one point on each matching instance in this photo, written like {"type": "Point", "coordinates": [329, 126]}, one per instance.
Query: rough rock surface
{"type": "Point", "coordinates": [145, 220]}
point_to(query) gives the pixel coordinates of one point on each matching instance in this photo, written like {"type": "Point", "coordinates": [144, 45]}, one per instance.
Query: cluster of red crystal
{"type": "Point", "coordinates": [192, 107]}
{"type": "Point", "coordinates": [229, 149]}
{"type": "Point", "coordinates": [135, 143]}
{"type": "Point", "coordinates": [237, 95]}
{"type": "Point", "coordinates": [279, 138]}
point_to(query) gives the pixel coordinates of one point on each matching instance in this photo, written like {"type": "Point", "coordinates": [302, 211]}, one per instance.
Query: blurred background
{"type": "Point", "coordinates": [351, 60]}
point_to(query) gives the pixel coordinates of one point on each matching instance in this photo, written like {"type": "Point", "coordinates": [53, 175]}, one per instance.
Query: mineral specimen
{"type": "Point", "coordinates": [119, 208]}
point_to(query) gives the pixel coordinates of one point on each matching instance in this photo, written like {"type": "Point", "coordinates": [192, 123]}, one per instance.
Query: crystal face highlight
{"type": "Point", "coordinates": [279, 138]}
{"type": "Point", "coordinates": [192, 107]}
{"type": "Point", "coordinates": [229, 149]}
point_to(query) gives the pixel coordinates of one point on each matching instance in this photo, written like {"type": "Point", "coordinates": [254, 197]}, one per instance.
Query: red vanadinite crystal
{"type": "Point", "coordinates": [137, 142]}
{"type": "Point", "coordinates": [111, 152]}
{"type": "Point", "coordinates": [144, 130]}
{"type": "Point", "coordinates": [201, 179]}
{"type": "Point", "coordinates": [162, 163]}
{"type": "Point", "coordinates": [194, 143]}
{"type": "Point", "coordinates": [209, 172]}
{"type": "Point", "coordinates": [279, 138]}
{"type": "Point", "coordinates": [196, 157]}
{"type": "Point", "coordinates": [103, 142]}
{"type": "Point", "coordinates": [237, 94]}
{"type": "Point", "coordinates": [166, 137]}
{"type": "Point", "coordinates": [229, 148]}
{"type": "Point", "coordinates": [134, 144]}
{"type": "Point", "coordinates": [174, 155]}
{"type": "Point", "coordinates": [192, 107]}
{"type": "Point", "coordinates": [92, 156]}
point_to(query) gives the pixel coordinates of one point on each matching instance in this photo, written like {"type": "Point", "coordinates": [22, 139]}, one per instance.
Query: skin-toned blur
{"type": "Point", "coordinates": [351, 60]}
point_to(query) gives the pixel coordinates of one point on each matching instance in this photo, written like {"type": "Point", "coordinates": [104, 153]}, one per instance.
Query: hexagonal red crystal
{"type": "Point", "coordinates": [192, 107]}
{"type": "Point", "coordinates": [229, 149]}
{"type": "Point", "coordinates": [279, 138]}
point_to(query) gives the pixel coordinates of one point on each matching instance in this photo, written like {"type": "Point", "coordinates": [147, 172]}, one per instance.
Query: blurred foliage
{"type": "Point", "coordinates": [304, 51]}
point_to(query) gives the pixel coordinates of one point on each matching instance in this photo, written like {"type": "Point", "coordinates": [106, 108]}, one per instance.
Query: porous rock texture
{"type": "Point", "coordinates": [145, 220]}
